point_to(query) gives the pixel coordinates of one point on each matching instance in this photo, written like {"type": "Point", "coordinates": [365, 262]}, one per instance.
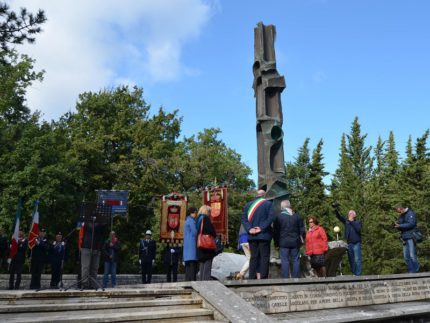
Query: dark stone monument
{"type": "Point", "coordinates": [268, 86]}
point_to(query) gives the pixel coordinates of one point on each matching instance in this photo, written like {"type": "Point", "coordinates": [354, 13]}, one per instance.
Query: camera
{"type": "Point", "coordinates": [335, 205]}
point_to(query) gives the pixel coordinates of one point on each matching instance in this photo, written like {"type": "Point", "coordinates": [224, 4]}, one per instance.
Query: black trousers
{"type": "Point", "coordinates": [172, 270]}
{"type": "Point", "coordinates": [56, 274]}
{"type": "Point", "coordinates": [146, 272]}
{"type": "Point", "coordinates": [191, 270]}
{"type": "Point", "coordinates": [260, 257]}
{"type": "Point", "coordinates": [15, 268]}
{"type": "Point", "coordinates": [36, 274]}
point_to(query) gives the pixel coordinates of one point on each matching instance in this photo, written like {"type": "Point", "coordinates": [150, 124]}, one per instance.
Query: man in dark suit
{"type": "Point", "coordinates": [39, 257]}
{"type": "Point", "coordinates": [257, 220]}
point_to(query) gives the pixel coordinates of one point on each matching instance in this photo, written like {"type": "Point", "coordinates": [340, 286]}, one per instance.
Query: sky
{"type": "Point", "coordinates": [340, 59]}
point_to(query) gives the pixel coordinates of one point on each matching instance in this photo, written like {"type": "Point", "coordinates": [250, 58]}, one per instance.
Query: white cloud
{"type": "Point", "coordinates": [89, 45]}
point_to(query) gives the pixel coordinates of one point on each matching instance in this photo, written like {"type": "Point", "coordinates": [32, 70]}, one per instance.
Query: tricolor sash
{"type": "Point", "coordinates": [254, 206]}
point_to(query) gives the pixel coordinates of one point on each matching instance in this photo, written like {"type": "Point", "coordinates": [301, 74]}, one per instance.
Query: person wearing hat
{"type": "Point", "coordinates": [57, 257]}
{"type": "Point", "coordinates": [147, 249]}
{"type": "Point", "coordinates": [407, 224]}
{"type": "Point", "coordinates": [38, 259]}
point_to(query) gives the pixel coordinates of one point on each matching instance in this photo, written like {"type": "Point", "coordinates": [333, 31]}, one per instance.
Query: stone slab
{"type": "Point", "coordinates": [230, 305]}
{"type": "Point", "coordinates": [385, 312]}
{"type": "Point", "coordinates": [283, 296]}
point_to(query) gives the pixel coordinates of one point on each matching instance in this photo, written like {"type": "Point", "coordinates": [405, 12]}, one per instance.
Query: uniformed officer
{"type": "Point", "coordinates": [57, 258]}
{"type": "Point", "coordinates": [147, 249]}
{"type": "Point", "coordinates": [38, 259]}
{"type": "Point", "coordinates": [16, 263]}
{"type": "Point", "coordinates": [171, 257]}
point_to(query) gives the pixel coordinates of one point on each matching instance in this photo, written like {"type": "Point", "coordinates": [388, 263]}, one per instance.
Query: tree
{"type": "Point", "coordinates": [18, 28]}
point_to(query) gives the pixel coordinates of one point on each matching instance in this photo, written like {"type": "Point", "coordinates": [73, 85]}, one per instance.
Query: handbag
{"type": "Point", "coordinates": [205, 241]}
{"type": "Point", "coordinates": [417, 235]}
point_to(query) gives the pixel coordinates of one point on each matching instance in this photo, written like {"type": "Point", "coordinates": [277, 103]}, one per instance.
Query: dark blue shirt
{"type": "Point", "coordinates": [352, 228]}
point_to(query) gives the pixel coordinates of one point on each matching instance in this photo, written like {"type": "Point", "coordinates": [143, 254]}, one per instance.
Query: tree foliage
{"type": "Point", "coordinates": [17, 28]}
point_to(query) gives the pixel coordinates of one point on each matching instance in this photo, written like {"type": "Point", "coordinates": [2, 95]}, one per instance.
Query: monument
{"type": "Point", "coordinates": [268, 86]}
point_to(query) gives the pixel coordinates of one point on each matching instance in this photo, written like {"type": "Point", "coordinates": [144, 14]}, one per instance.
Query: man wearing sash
{"type": "Point", "coordinates": [257, 220]}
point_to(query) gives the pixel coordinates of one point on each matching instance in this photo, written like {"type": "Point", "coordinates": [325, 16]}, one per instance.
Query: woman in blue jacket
{"type": "Point", "coordinates": [190, 245]}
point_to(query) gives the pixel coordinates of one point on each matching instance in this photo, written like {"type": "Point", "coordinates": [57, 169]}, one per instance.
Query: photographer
{"type": "Point", "coordinates": [352, 237]}
{"type": "Point", "coordinates": [407, 223]}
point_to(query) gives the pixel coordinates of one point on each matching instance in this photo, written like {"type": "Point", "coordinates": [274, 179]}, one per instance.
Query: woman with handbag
{"type": "Point", "coordinates": [316, 246]}
{"type": "Point", "coordinates": [206, 247]}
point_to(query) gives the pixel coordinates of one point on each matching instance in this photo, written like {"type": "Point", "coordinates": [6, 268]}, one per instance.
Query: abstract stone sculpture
{"type": "Point", "coordinates": [268, 85]}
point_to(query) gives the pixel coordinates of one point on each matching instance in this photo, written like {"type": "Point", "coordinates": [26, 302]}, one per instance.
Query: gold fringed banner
{"type": "Point", "coordinates": [216, 197]}
{"type": "Point", "coordinates": [173, 213]}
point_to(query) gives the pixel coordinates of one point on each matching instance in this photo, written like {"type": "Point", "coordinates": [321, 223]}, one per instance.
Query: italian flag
{"type": "Point", "coordinates": [14, 241]}
{"type": "Point", "coordinates": [34, 230]}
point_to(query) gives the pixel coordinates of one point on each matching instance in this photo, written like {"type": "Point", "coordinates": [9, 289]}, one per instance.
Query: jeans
{"type": "Point", "coordinates": [410, 255]}
{"type": "Point", "coordinates": [285, 254]}
{"type": "Point", "coordinates": [354, 257]}
{"type": "Point", "coordinates": [110, 268]}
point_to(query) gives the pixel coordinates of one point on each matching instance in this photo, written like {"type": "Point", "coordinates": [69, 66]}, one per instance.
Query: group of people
{"type": "Point", "coordinates": [196, 258]}
{"type": "Point", "coordinates": [260, 223]}
{"type": "Point", "coordinates": [42, 253]}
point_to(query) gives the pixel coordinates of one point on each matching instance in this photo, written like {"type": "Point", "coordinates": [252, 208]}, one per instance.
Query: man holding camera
{"type": "Point", "coordinates": [352, 237]}
{"type": "Point", "coordinates": [407, 223]}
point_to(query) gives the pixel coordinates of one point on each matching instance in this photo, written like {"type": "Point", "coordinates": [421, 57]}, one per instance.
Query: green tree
{"type": "Point", "coordinates": [17, 28]}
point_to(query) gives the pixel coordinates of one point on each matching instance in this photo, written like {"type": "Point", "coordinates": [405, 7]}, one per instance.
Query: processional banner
{"type": "Point", "coordinates": [217, 199]}
{"type": "Point", "coordinates": [173, 213]}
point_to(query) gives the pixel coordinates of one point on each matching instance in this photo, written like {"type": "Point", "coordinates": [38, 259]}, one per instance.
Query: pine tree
{"type": "Point", "coordinates": [18, 28]}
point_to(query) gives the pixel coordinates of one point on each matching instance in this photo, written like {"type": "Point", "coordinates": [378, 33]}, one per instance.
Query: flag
{"type": "Point", "coordinates": [14, 241]}
{"type": "Point", "coordinates": [81, 235]}
{"type": "Point", "coordinates": [34, 229]}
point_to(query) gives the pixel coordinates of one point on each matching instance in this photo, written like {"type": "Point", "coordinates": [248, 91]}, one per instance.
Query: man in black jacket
{"type": "Point", "coordinates": [289, 231]}
{"type": "Point", "coordinates": [407, 224]}
{"type": "Point", "coordinates": [38, 259]}
{"type": "Point", "coordinates": [57, 258]}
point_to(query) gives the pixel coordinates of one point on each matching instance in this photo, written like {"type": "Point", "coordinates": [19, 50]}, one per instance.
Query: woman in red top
{"type": "Point", "coordinates": [316, 246]}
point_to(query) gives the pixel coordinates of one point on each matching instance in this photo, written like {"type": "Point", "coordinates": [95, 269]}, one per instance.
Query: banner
{"type": "Point", "coordinates": [173, 214]}
{"type": "Point", "coordinates": [34, 229]}
{"type": "Point", "coordinates": [15, 236]}
{"type": "Point", "coordinates": [216, 198]}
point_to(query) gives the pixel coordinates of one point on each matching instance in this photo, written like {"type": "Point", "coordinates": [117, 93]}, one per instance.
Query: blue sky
{"type": "Point", "coordinates": [340, 59]}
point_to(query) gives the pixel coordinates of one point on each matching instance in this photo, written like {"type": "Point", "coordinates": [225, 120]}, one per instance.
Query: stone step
{"type": "Point", "coordinates": [62, 305]}
{"type": "Point", "coordinates": [177, 315]}
{"type": "Point", "coordinates": [10, 296]}
{"type": "Point", "coordinates": [94, 299]}
{"type": "Point", "coordinates": [112, 309]}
